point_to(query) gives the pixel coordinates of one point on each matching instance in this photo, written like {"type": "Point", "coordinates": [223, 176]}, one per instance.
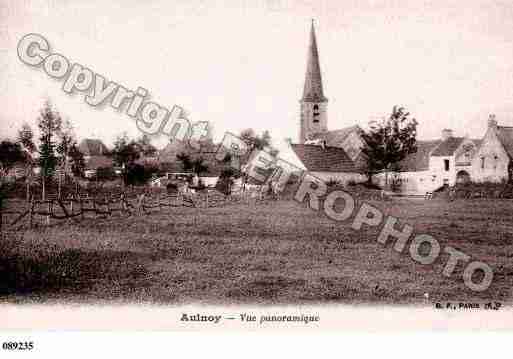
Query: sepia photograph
{"type": "Point", "coordinates": [255, 165]}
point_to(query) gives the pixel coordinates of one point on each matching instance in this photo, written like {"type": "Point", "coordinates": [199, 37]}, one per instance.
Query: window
{"type": "Point", "coordinates": [446, 165]}
{"type": "Point", "coordinates": [482, 163]}
{"type": "Point", "coordinates": [316, 113]}
{"type": "Point", "coordinates": [495, 162]}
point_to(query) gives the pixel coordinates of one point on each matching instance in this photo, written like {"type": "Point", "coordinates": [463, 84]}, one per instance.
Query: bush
{"type": "Point", "coordinates": [105, 174]}
{"type": "Point", "coordinates": [137, 174]}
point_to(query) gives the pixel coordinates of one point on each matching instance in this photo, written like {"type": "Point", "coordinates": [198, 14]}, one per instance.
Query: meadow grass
{"type": "Point", "coordinates": [275, 253]}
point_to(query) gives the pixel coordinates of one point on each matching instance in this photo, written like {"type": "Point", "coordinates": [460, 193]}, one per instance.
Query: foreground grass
{"type": "Point", "coordinates": [275, 253]}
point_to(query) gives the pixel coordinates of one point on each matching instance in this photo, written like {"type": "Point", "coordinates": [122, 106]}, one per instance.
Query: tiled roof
{"type": "Point", "coordinates": [96, 162]}
{"type": "Point", "coordinates": [336, 137]}
{"type": "Point", "coordinates": [92, 147]}
{"type": "Point", "coordinates": [447, 147]}
{"type": "Point", "coordinates": [419, 161]}
{"type": "Point", "coordinates": [168, 153]}
{"type": "Point", "coordinates": [328, 159]}
{"type": "Point", "coordinates": [505, 135]}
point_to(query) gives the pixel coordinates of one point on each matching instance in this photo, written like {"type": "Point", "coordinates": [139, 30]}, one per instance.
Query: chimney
{"type": "Point", "coordinates": [446, 134]}
{"type": "Point", "coordinates": [492, 122]}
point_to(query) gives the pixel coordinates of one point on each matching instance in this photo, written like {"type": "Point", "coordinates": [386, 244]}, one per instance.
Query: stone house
{"type": "Point", "coordinates": [494, 158]}
{"type": "Point", "coordinates": [436, 163]}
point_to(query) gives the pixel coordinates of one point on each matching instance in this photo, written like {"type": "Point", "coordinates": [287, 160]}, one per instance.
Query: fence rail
{"type": "Point", "coordinates": [78, 206]}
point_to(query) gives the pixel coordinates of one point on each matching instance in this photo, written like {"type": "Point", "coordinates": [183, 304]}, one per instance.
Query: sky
{"type": "Point", "coordinates": [240, 64]}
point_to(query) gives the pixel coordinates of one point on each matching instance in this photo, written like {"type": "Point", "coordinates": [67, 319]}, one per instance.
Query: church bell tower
{"type": "Point", "coordinates": [314, 117]}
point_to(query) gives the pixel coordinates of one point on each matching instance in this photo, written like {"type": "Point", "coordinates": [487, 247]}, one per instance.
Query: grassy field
{"type": "Point", "coordinates": [277, 253]}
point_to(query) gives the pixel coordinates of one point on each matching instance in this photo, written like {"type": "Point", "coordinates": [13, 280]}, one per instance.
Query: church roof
{"type": "Point", "coordinates": [313, 91]}
{"type": "Point", "coordinates": [336, 137]}
{"type": "Point", "coordinates": [324, 159]}
{"type": "Point", "coordinates": [505, 135]}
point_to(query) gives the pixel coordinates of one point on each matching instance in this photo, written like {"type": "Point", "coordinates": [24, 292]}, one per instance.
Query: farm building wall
{"type": "Point", "coordinates": [491, 160]}
{"type": "Point", "coordinates": [411, 182]}
{"type": "Point", "coordinates": [343, 177]}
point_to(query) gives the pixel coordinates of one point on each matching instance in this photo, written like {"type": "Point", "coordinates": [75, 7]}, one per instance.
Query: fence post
{"type": "Point", "coordinates": [31, 213]}
{"type": "Point", "coordinates": [94, 206]}
{"type": "Point", "coordinates": [49, 209]}
{"type": "Point", "coordinates": [107, 201]}
{"type": "Point", "coordinates": [81, 206]}
{"type": "Point", "coordinates": [2, 202]}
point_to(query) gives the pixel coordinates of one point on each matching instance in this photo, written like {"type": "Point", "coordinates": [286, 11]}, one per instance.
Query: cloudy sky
{"type": "Point", "coordinates": [240, 64]}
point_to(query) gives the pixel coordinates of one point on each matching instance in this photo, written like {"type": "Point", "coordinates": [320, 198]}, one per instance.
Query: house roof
{"type": "Point", "coordinates": [168, 153]}
{"type": "Point", "coordinates": [419, 160]}
{"type": "Point", "coordinates": [95, 162]}
{"type": "Point", "coordinates": [447, 147]}
{"type": "Point", "coordinates": [328, 159]}
{"type": "Point", "coordinates": [92, 147]}
{"type": "Point", "coordinates": [505, 136]}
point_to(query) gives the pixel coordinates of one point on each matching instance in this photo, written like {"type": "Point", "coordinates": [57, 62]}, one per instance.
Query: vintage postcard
{"type": "Point", "coordinates": [255, 165]}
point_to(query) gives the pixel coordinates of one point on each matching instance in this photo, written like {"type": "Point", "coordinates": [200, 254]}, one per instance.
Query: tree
{"type": "Point", "coordinates": [49, 123]}
{"type": "Point", "coordinates": [225, 182]}
{"type": "Point", "coordinates": [137, 174]}
{"type": "Point", "coordinates": [185, 160]}
{"type": "Point", "coordinates": [199, 166]}
{"type": "Point", "coordinates": [26, 138]}
{"type": "Point", "coordinates": [145, 146]}
{"type": "Point", "coordinates": [66, 137]}
{"type": "Point", "coordinates": [77, 161]}
{"type": "Point", "coordinates": [195, 165]}
{"type": "Point", "coordinates": [388, 141]}
{"type": "Point", "coordinates": [10, 153]}
{"type": "Point", "coordinates": [125, 151]}
{"type": "Point", "coordinates": [256, 142]}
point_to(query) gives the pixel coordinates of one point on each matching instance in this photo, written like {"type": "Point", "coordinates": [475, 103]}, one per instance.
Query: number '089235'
{"type": "Point", "coordinates": [17, 345]}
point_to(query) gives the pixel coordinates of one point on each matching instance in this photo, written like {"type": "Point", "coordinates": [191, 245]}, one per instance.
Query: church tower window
{"type": "Point", "coordinates": [316, 114]}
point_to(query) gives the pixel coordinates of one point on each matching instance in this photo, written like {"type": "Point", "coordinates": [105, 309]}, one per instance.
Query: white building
{"type": "Point", "coordinates": [493, 160]}
{"type": "Point", "coordinates": [435, 164]}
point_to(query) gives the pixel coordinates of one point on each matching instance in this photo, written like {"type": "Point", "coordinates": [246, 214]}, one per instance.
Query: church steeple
{"type": "Point", "coordinates": [313, 79]}
{"type": "Point", "coordinates": [313, 103]}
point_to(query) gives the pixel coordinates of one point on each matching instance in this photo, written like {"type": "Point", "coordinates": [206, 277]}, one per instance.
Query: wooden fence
{"type": "Point", "coordinates": [130, 203]}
